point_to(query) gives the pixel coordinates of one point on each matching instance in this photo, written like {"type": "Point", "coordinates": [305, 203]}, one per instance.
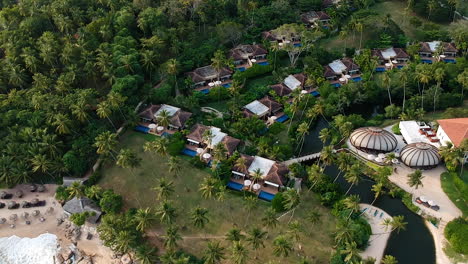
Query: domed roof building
{"type": "Point", "coordinates": [373, 140]}
{"type": "Point", "coordinates": [420, 156]}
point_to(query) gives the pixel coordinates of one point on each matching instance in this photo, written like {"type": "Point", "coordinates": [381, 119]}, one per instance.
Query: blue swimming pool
{"type": "Point", "coordinates": [142, 129]}
{"type": "Point", "coordinates": [263, 63]}
{"type": "Point", "coordinates": [357, 79]}
{"type": "Point", "coordinates": [315, 93]}
{"type": "Point", "coordinates": [227, 85]}
{"type": "Point", "coordinates": [297, 44]}
{"type": "Point", "coordinates": [234, 186]}
{"type": "Point", "coordinates": [450, 60]}
{"type": "Point", "coordinates": [336, 85]}
{"type": "Point", "coordinates": [241, 69]}
{"type": "Point", "coordinates": [426, 61]}
{"type": "Point", "coordinates": [282, 118]}
{"type": "Point", "coordinates": [266, 196]}
{"type": "Point", "coordinates": [165, 134]}
{"type": "Point", "coordinates": [399, 66]}
{"type": "Point", "coordinates": [205, 91]}
{"type": "Point", "coordinates": [189, 152]}
{"type": "Point", "coordinates": [380, 69]}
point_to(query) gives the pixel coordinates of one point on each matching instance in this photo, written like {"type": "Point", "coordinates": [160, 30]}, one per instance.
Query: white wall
{"type": "Point", "coordinates": [443, 137]}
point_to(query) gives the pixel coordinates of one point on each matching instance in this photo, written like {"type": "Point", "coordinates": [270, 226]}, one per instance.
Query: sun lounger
{"type": "Point", "coordinates": [376, 212]}
{"type": "Point", "coordinates": [381, 214]}
{"type": "Point", "coordinates": [363, 210]}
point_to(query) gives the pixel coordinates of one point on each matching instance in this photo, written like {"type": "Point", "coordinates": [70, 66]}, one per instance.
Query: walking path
{"type": "Point", "coordinates": [378, 240]}
{"type": "Point", "coordinates": [303, 158]}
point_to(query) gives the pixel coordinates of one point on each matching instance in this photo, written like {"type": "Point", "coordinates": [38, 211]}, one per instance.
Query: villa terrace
{"type": "Point", "coordinates": [150, 119]}
{"type": "Point", "coordinates": [245, 56]}
{"type": "Point", "coordinates": [313, 19]}
{"type": "Point", "coordinates": [341, 71]}
{"type": "Point", "coordinates": [390, 58]}
{"type": "Point", "coordinates": [205, 78]}
{"type": "Point", "coordinates": [267, 109]}
{"type": "Point", "coordinates": [438, 51]}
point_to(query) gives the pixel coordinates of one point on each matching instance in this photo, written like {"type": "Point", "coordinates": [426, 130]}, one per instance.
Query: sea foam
{"type": "Point", "coordinates": [38, 250]}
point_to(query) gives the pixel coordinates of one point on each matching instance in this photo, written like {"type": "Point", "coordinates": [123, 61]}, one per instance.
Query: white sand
{"type": "Point", "coordinates": [378, 239]}
{"type": "Point", "coordinates": [39, 250]}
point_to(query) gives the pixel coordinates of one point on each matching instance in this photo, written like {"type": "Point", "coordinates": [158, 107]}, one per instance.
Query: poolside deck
{"type": "Point", "coordinates": [165, 131]}
{"type": "Point", "coordinates": [206, 89]}
{"type": "Point", "coordinates": [264, 187]}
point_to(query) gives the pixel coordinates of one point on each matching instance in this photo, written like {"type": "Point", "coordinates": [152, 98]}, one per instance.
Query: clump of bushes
{"type": "Point", "coordinates": [80, 218]}
{"type": "Point", "coordinates": [396, 129]}
{"type": "Point", "coordinates": [456, 233]}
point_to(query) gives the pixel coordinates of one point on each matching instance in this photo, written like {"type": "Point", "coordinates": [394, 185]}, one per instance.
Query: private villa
{"type": "Point", "coordinates": [201, 142]}
{"type": "Point", "coordinates": [452, 131]}
{"type": "Point", "coordinates": [315, 18]}
{"type": "Point", "coordinates": [205, 78]}
{"type": "Point", "coordinates": [273, 176]}
{"type": "Point", "coordinates": [291, 83]}
{"type": "Point", "coordinates": [245, 56]}
{"type": "Point", "coordinates": [437, 51]}
{"type": "Point", "coordinates": [282, 39]}
{"type": "Point", "coordinates": [341, 71]}
{"type": "Point", "coordinates": [151, 119]}
{"type": "Point", "coordinates": [266, 109]}
{"type": "Point", "coordinates": [390, 58]}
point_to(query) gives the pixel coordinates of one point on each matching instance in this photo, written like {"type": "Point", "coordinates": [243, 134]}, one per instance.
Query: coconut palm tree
{"type": "Point", "coordinates": [314, 175]}
{"type": "Point", "coordinates": [462, 79]}
{"type": "Point", "coordinates": [360, 28]}
{"type": "Point", "coordinates": [123, 241]}
{"type": "Point", "coordinates": [234, 235]}
{"type": "Point", "coordinates": [269, 219]}
{"type": "Point", "coordinates": [41, 163]}
{"type": "Point", "coordinates": [343, 161]}
{"type": "Point", "coordinates": [387, 83]}
{"type": "Point", "coordinates": [143, 219]}
{"type": "Point", "coordinates": [164, 189]}
{"type": "Point", "coordinates": [352, 203]}
{"type": "Point", "coordinates": [166, 213]}
{"type": "Point", "coordinates": [282, 246]}
{"type": "Point", "coordinates": [256, 175]}
{"type": "Point", "coordinates": [325, 135]}
{"type": "Point", "coordinates": [104, 110]}
{"type": "Point", "coordinates": [146, 254]}
{"type": "Point", "coordinates": [353, 176]}
{"type": "Point", "coordinates": [79, 110]}
{"type": "Point", "coordinates": [198, 217]}
{"type": "Point", "coordinates": [275, 48]}
{"type": "Point", "coordinates": [415, 179]}
{"type": "Point", "coordinates": [241, 163]}
{"type": "Point", "coordinates": [313, 217]}
{"type": "Point", "coordinates": [218, 62]}
{"type": "Point", "coordinates": [294, 230]}
{"type": "Point", "coordinates": [75, 190]}
{"type": "Point", "coordinates": [239, 253]}
{"type": "Point", "coordinates": [352, 253]}
{"type": "Point", "coordinates": [157, 146]}
{"type": "Point", "coordinates": [404, 80]}
{"type": "Point", "coordinates": [302, 130]}
{"type": "Point", "coordinates": [439, 75]}
{"type": "Point", "coordinates": [423, 75]}
{"type": "Point", "coordinates": [388, 259]}
{"type": "Point", "coordinates": [327, 156]}
{"type": "Point", "coordinates": [174, 166]}
{"type": "Point", "coordinates": [250, 204]}
{"type": "Point", "coordinates": [171, 238]}
{"type": "Point", "coordinates": [94, 192]}
{"type": "Point", "coordinates": [255, 238]}
{"type": "Point", "coordinates": [395, 223]}
{"type": "Point", "coordinates": [106, 143]}
{"type": "Point", "coordinates": [344, 233]}
{"type": "Point", "coordinates": [128, 159]}
{"type": "Point", "coordinates": [208, 136]}
{"type": "Point", "coordinates": [171, 67]}
{"type": "Point", "coordinates": [115, 100]}
{"type": "Point", "coordinates": [219, 152]}
{"type": "Point", "coordinates": [378, 190]}
{"type": "Point", "coordinates": [344, 36]}
{"type": "Point", "coordinates": [209, 187]}
{"type": "Point", "coordinates": [214, 253]}
{"type": "Point", "coordinates": [291, 201]}
{"type": "Point", "coordinates": [164, 118]}
{"type": "Point", "coordinates": [62, 123]}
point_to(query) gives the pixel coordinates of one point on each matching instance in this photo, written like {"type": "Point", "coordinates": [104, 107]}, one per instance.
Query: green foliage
{"type": "Point", "coordinates": [396, 129]}
{"type": "Point", "coordinates": [278, 203]}
{"type": "Point", "coordinates": [94, 178]}
{"type": "Point", "coordinates": [456, 233]}
{"type": "Point", "coordinates": [161, 94]}
{"type": "Point", "coordinates": [111, 202]}
{"type": "Point", "coordinates": [79, 218]}
{"type": "Point", "coordinates": [75, 164]}
{"type": "Point", "coordinates": [456, 189]}
{"type": "Point", "coordinates": [176, 144]}
{"type": "Point", "coordinates": [254, 71]}
{"type": "Point", "coordinates": [407, 200]}
{"type": "Point", "coordinates": [62, 193]}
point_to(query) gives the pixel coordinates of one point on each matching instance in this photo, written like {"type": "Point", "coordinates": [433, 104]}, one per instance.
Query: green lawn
{"type": "Point", "coordinates": [456, 191]}
{"type": "Point", "coordinates": [135, 185]}
{"type": "Point", "coordinates": [221, 106]}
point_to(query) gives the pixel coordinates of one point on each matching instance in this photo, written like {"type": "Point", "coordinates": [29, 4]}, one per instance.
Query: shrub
{"type": "Point", "coordinates": [396, 129]}
{"type": "Point", "coordinates": [276, 128]}
{"type": "Point", "coordinates": [456, 233]}
{"type": "Point", "coordinates": [278, 203]}
{"type": "Point", "coordinates": [195, 161]}
{"type": "Point", "coordinates": [94, 178]}
{"type": "Point", "coordinates": [111, 202]}
{"type": "Point", "coordinates": [176, 144]}
{"type": "Point", "coordinates": [61, 193]}
{"type": "Point", "coordinates": [74, 163]}
{"type": "Point", "coordinates": [80, 218]}
{"type": "Point", "coordinates": [254, 71]}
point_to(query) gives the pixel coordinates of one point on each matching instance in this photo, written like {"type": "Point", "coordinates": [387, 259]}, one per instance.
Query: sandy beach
{"type": "Point", "coordinates": [378, 239]}
{"type": "Point", "coordinates": [93, 247]}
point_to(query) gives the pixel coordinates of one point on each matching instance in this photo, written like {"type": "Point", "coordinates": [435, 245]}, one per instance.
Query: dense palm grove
{"type": "Point", "coordinates": [74, 71]}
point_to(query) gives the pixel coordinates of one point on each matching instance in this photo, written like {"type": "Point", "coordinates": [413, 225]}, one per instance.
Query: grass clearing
{"type": "Point", "coordinates": [456, 190]}
{"type": "Point", "coordinates": [135, 186]}
{"type": "Point", "coordinates": [221, 106]}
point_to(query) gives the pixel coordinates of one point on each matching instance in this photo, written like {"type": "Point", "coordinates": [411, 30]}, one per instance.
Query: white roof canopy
{"type": "Point", "coordinates": [261, 163]}
{"type": "Point", "coordinates": [257, 108]}
{"type": "Point", "coordinates": [388, 53]}
{"type": "Point", "coordinates": [217, 136]}
{"type": "Point", "coordinates": [337, 66]}
{"type": "Point", "coordinates": [410, 132]}
{"type": "Point", "coordinates": [291, 82]}
{"type": "Point", "coordinates": [168, 108]}
{"type": "Point", "coordinates": [433, 45]}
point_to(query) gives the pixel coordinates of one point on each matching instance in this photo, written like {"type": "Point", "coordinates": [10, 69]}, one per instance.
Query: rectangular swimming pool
{"type": "Point", "coordinates": [266, 196]}
{"type": "Point", "coordinates": [282, 118]}
{"type": "Point", "coordinates": [235, 186]}
{"type": "Point", "coordinates": [189, 152]}
{"type": "Point", "coordinates": [263, 63]}
{"type": "Point", "coordinates": [142, 129]}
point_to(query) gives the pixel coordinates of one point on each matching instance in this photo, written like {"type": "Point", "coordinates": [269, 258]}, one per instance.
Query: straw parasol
{"type": "Point", "coordinates": [431, 203]}
{"type": "Point", "coordinates": [371, 157]}
{"type": "Point", "coordinates": [3, 194]}
{"type": "Point", "coordinates": [25, 204]}
{"type": "Point", "coordinates": [41, 188]}
{"type": "Point", "coordinates": [2, 220]}
{"type": "Point", "coordinates": [33, 187]}
{"type": "Point", "coordinates": [36, 212]}
{"type": "Point", "coordinates": [11, 204]}
{"type": "Point", "coordinates": [423, 199]}
{"type": "Point", "coordinates": [247, 182]}
{"type": "Point", "coordinates": [256, 186]}
{"type": "Point", "coordinates": [19, 193]}
{"type": "Point", "coordinates": [381, 155]}
{"type": "Point", "coordinates": [206, 155]}
{"type": "Point", "coordinates": [25, 215]}
{"type": "Point", "coordinates": [13, 217]}
{"type": "Point", "coordinates": [34, 201]}
{"type": "Point", "coordinates": [152, 126]}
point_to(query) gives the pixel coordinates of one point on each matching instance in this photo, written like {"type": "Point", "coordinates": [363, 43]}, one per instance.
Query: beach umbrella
{"type": "Point", "coordinates": [36, 213]}
{"type": "Point", "coordinates": [206, 155]}
{"type": "Point", "coordinates": [388, 64]}
{"type": "Point", "coordinates": [13, 217]}
{"type": "Point", "coordinates": [379, 159]}
{"type": "Point", "coordinates": [253, 60]}
{"type": "Point", "coordinates": [41, 188]}
{"type": "Point", "coordinates": [2, 220]}
{"type": "Point", "coordinates": [394, 61]}
{"type": "Point", "coordinates": [431, 203]}
{"type": "Point", "coordinates": [2, 205]}
{"type": "Point", "coordinates": [25, 215]}
{"type": "Point", "coordinates": [24, 204]}
{"type": "Point", "coordinates": [347, 76]}
{"type": "Point", "coordinates": [256, 187]}
{"type": "Point", "coordinates": [160, 128]}
{"type": "Point", "coordinates": [423, 199]}
{"type": "Point", "coordinates": [152, 126]}
{"type": "Point", "coordinates": [211, 84]}
{"type": "Point", "coordinates": [11, 204]}
{"type": "Point", "coordinates": [34, 201]}
{"type": "Point", "coordinates": [32, 187]}
{"type": "Point", "coordinates": [3, 194]}
{"type": "Point", "coordinates": [247, 182]}
{"type": "Point", "coordinates": [199, 150]}
{"type": "Point", "coordinates": [342, 79]}
{"type": "Point", "coordinates": [217, 82]}
{"type": "Point", "coordinates": [19, 193]}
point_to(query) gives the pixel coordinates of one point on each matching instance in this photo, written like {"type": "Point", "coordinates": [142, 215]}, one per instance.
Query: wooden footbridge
{"type": "Point", "coordinates": [303, 158]}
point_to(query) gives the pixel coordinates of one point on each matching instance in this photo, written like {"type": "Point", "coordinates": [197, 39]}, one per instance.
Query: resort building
{"type": "Point", "coordinates": [152, 119]}
{"type": "Point", "coordinates": [373, 140]}
{"type": "Point", "coordinates": [390, 58]}
{"type": "Point", "coordinates": [314, 19]}
{"type": "Point", "coordinates": [282, 39]}
{"type": "Point", "coordinates": [81, 205]}
{"type": "Point", "coordinates": [289, 84]}
{"type": "Point", "coordinates": [417, 132]}
{"type": "Point", "coordinates": [452, 131]}
{"type": "Point", "coordinates": [245, 56]}
{"type": "Point", "coordinates": [420, 156]}
{"type": "Point", "coordinates": [341, 71]}
{"type": "Point", "coordinates": [207, 77]}
{"type": "Point", "coordinates": [266, 109]}
{"type": "Point", "coordinates": [273, 176]}
{"type": "Point", "coordinates": [437, 51]}
{"type": "Point", "coordinates": [203, 139]}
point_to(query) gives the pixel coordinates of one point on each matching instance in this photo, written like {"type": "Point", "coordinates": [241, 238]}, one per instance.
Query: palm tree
{"type": "Point", "coordinates": [143, 218]}
{"type": "Point", "coordinates": [353, 176]}
{"type": "Point", "coordinates": [415, 179]}
{"type": "Point", "coordinates": [404, 80]}
{"type": "Point", "coordinates": [234, 235]}
{"type": "Point", "coordinates": [208, 136]}
{"type": "Point", "coordinates": [282, 246]}
{"type": "Point", "coordinates": [62, 123]}
{"type": "Point", "coordinates": [128, 159]}
{"type": "Point", "coordinates": [199, 218]}
{"type": "Point", "coordinates": [164, 189]}
{"type": "Point", "coordinates": [325, 135]}
{"type": "Point", "coordinates": [94, 192]}
{"type": "Point", "coordinates": [343, 161]}
{"type": "Point", "coordinates": [166, 213]}
{"type": "Point", "coordinates": [352, 202]}
{"type": "Point", "coordinates": [239, 253]}
{"type": "Point", "coordinates": [439, 75]}
{"type": "Point", "coordinates": [164, 118]}
{"type": "Point", "coordinates": [314, 175]}
{"type": "Point", "coordinates": [250, 203]}
{"type": "Point", "coordinates": [302, 130]}
{"type": "Point", "coordinates": [104, 110]}
{"type": "Point", "coordinates": [218, 62]}
{"type": "Point", "coordinates": [115, 100]}
{"type": "Point", "coordinates": [313, 217]}
{"type": "Point", "coordinates": [255, 238]}
{"type": "Point", "coordinates": [209, 187]}
{"type": "Point", "coordinates": [41, 163]}
{"type": "Point", "coordinates": [172, 68]}
{"type": "Point", "coordinates": [387, 82]}
{"type": "Point", "coordinates": [431, 6]}
{"type": "Point", "coordinates": [158, 146]}
{"type": "Point", "coordinates": [352, 253]}
{"type": "Point", "coordinates": [269, 219]}
{"type": "Point", "coordinates": [423, 75]}
{"type": "Point", "coordinates": [344, 233]}
{"type": "Point", "coordinates": [148, 61]}
{"type": "Point", "coordinates": [256, 175]}
{"type": "Point", "coordinates": [219, 152]}
{"type": "Point", "coordinates": [241, 164]}
{"type": "Point", "coordinates": [378, 191]}
{"type": "Point", "coordinates": [462, 79]}
{"type": "Point", "coordinates": [388, 259]}
{"type": "Point", "coordinates": [395, 223]}
{"type": "Point", "coordinates": [123, 241]}
{"type": "Point", "coordinates": [360, 27]}
{"type": "Point", "coordinates": [294, 230]}
{"type": "Point", "coordinates": [344, 36]}
{"type": "Point", "coordinates": [171, 238]}
{"type": "Point", "coordinates": [327, 156]}
{"type": "Point", "coordinates": [214, 253]}
{"type": "Point", "coordinates": [79, 110]}
{"type": "Point", "coordinates": [291, 201]}
{"type": "Point", "coordinates": [174, 166]}
{"type": "Point", "coordinates": [275, 48]}
{"type": "Point", "coordinates": [75, 190]}
{"type": "Point", "coordinates": [106, 143]}
{"type": "Point", "coordinates": [146, 254]}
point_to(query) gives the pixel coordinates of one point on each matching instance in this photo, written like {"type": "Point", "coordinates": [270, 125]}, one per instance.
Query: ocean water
{"type": "Point", "coordinates": [38, 250]}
